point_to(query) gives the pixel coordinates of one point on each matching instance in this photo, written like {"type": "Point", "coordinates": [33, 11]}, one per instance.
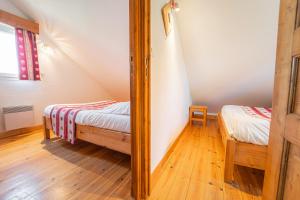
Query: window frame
{"type": "Point", "coordinates": [8, 76]}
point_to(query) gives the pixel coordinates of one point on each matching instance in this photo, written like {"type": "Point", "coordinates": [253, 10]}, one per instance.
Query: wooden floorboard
{"type": "Point", "coordinates": [30, 169]}
{"type": "Point", "coordinates": [195, 170]}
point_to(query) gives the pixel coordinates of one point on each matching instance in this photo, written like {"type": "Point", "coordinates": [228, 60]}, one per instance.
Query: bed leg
{"type": "Point", "coordinates": [229, 161]}
{"type": "Point", "coordinates": [46, 130]}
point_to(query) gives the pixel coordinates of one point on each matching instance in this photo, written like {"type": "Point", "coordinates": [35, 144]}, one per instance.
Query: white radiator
{"type": "Point", "coordinates": [18, 117]}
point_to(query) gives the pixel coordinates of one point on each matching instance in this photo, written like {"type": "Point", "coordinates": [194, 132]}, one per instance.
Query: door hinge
{"type": "Point", "coordinates": [147, 66]}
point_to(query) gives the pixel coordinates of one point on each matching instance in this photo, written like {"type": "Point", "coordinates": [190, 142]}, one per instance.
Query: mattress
{"type": "Point", "coordinates": [103, 120]}
{"type": "Point", "coordinates": [245, 126]}
{"type": "Point", "coordinates": [115, 117]}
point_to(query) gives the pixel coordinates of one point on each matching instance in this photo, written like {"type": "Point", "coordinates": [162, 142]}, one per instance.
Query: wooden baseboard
{"type": "Point", "coordinates": [158, 170]}
{"type": "Point", "coordinates": [212, 116]}
{"type": "Point", "coordinates": [20, 131]}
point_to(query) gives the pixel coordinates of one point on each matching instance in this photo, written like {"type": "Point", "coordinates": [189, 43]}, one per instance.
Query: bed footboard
{"type": "Point", "coordinates": [229, 161]}
{"type": "Point", "coordinates": [114, 140]}
{"type": "Point", "coordinates": [240, 153]}
{"type": "Point", "coordinates": [46, 127]}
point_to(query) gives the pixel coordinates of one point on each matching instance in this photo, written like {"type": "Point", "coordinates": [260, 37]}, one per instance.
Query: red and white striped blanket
{"type": "Point", "coordinates": [63, 117]}
{"type": "Point", "coordinates": [258, 112]}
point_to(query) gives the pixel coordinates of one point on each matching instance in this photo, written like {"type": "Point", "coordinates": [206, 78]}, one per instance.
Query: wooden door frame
{"type": "Point", "coordinates": [139, 14]}
{"type": "Point", "coordinates": [278, 146]}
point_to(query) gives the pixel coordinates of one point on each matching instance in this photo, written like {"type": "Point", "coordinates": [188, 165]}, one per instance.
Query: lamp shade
{"type": "Point", "coordinates": [174, 5]}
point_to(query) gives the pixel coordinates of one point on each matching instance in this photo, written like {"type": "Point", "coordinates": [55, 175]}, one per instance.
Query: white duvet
{"type": "Point", "coordinates": [244, 127]}
{"type": "Point", "coordinates": [114, 117]}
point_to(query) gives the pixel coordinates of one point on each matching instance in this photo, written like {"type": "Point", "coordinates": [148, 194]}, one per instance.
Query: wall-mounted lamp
{"type": "Point", "coordinates": [174, 5]}
{"type": "Point", "coordinates": [167, 9]}
{"type": "Point", "coordinates": [44, 46]}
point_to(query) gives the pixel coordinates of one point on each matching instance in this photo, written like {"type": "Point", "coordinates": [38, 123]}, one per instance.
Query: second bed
{"type": "Point", "coordinates": [245, 136]}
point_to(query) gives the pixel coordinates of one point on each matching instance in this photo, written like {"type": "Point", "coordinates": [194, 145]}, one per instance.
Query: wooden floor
{"type": "Point", "coordinates": [58, 170]}
{"type": "Point", "coordinates": [195, 171]}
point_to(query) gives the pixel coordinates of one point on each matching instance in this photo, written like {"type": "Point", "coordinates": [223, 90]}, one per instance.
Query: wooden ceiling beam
{"type": "Point", "coordinates": [18, 22]}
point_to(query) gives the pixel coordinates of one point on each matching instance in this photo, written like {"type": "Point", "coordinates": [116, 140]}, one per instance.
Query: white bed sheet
{"type": "Point", "coordinates": [115, 117]}
{"type": "Point", "coordinates": [244, 127]}
{"type": "Point", "coordinates": [103, 120]}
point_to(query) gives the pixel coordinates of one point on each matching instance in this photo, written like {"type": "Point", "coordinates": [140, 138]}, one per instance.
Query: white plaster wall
{"type": "Point", "coordinates": [94, 33]}
{"type": "Point", "coordinates": [63, 81]}
{"type": "Point", "coordinates": [229, 48]}
{"type": "Point", "coordinates": [170, 94]}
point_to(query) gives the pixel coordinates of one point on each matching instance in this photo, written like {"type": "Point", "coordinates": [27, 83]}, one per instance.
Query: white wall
{"type": "Point", "coordinates": [63, 81]}
{"type": "Point", "coordinates": [170, 95]}
{"type": "Point", "coordinates": [9, 7]}
{"type": "Point", "coordinates": [229, 48]}
{"type": "Point", "coordinates": [94, 33]}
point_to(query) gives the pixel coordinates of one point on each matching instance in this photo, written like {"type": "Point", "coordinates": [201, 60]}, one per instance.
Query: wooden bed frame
{"type": "Point", "coordinates": [240, 153]}
{"type": "Point", "coordinates": [115, 140]}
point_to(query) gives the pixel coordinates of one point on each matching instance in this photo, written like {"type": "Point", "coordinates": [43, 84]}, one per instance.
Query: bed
{"type": "Point", "coordinates": [245, 136]}
{"type": "Point", "coordinates": [105, 123]}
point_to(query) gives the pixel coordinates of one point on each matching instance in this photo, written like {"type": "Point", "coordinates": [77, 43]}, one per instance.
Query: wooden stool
{"type": "Point", "coordinates": [194, 117]}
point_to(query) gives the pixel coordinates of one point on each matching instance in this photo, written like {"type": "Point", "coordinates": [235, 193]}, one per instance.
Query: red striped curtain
{"type": "Point", "coordinates": [27, 55]}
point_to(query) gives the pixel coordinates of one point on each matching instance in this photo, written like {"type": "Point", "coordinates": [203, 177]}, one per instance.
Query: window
{"type": "Point", "coordinates": [8, 52]}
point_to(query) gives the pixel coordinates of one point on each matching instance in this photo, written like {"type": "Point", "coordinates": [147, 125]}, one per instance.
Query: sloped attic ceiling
{"type": "Point", "coordinates": [229, 49]}
{"type": "Point", "coordinates": [94, 34]}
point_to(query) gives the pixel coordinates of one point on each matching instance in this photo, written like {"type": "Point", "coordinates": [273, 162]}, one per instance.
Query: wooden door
{"type": "Point", "coordinates": [282, 177]}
